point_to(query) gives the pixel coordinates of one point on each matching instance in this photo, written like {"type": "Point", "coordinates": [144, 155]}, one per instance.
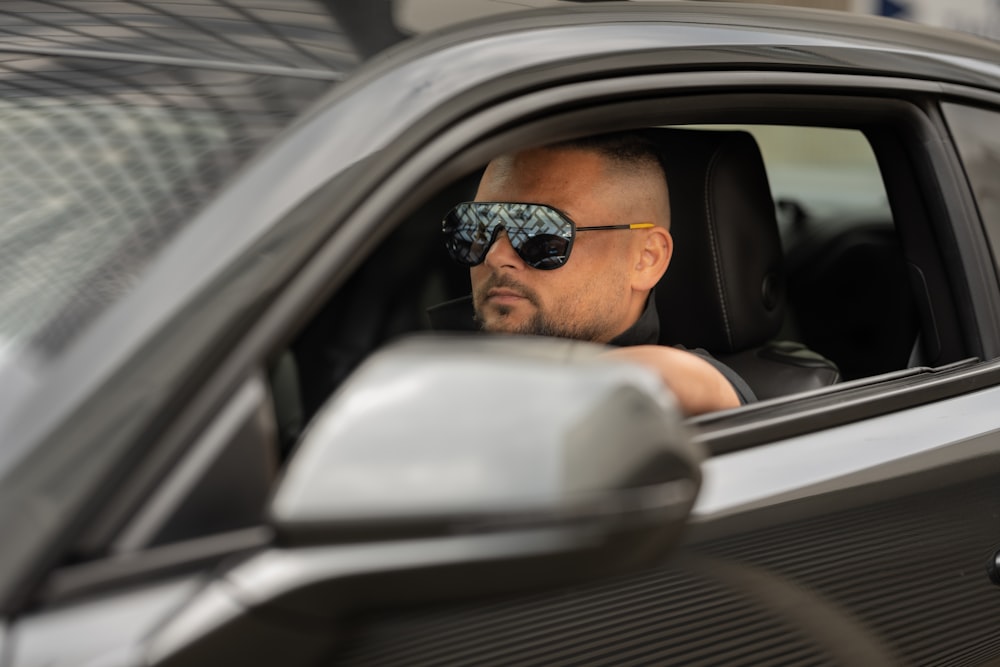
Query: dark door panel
{"type": "Point", "coordinates": [903, 581]}
{"type": "Point", "coordinates": [911, 569]}
{"type": "Point", "coordinates": [885, 565]}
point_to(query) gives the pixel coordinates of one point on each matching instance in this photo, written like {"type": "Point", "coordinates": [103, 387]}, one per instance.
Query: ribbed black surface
{"type": "Point", "coordinates": [896, 582]}
{"type": "Point", "coordinates": [912, 570]}
{"type": "Point", "coordinates": [660, 618]}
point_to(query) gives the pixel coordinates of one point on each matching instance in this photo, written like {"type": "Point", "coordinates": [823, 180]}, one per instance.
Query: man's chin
{"type": "Point", "coordinates": [506, 325]}
{"type": "Point", "coordinates": [503, 319]}
{"type": "Point", "coordinates": [533, 324]}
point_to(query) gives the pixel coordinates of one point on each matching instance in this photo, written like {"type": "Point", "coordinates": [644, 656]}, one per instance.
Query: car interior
{"type": "Point", "coordinates": [726, 289]}
{"type": "Point", "coordinates": [797, 285]}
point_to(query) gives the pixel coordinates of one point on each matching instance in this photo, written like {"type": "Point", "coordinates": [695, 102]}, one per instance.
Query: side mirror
{"type": "Point", "coordinates": [451, 467]}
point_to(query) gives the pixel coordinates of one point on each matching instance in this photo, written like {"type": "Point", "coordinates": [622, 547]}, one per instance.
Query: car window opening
{"type": "Point", "coordinates": [848, 308]}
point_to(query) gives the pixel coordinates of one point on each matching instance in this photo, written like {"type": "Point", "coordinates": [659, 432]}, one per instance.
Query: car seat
{"type": "Point", "coordinates": [725, 288]}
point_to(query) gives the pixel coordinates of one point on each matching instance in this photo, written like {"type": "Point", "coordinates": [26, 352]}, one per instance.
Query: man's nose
{"type": "Point", "coordinates": [502, 253]}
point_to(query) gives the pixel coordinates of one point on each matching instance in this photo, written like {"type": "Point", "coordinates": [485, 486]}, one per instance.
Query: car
{"type": "Point", "coordinates": [230, 438]}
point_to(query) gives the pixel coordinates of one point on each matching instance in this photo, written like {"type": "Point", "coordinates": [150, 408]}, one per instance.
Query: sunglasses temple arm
{"type": "Point", "coordinates": [634, 225]}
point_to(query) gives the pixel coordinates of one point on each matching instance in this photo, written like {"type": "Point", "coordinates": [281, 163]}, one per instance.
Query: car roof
{"type": "Point", "coordinates": [330, 37]}
{"type": "Point", "coordinates": [425, 16]}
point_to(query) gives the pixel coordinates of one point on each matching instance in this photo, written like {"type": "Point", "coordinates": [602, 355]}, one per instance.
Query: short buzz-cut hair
{"type": "Point", "coordinates": [629, 150]}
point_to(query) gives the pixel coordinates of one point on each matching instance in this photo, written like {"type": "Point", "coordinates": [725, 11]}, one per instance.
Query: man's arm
{"type": "Point", "coordinates": [698, 386]}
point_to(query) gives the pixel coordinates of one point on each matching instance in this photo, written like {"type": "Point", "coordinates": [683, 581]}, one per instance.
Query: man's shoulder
{"type": "Point", "coordinates": [743, 389]}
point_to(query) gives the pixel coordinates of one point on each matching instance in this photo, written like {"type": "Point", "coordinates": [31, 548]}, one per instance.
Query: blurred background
{"type": "Point", "coordinates": [979, 17]}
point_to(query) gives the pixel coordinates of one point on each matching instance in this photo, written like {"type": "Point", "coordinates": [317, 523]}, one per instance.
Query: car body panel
{"type": "Point", "coordinates": [899, 576]}
{"type": "Point", "coordinates": [864, 452]}
{"type": "Point", "coordinates": [82, 629]}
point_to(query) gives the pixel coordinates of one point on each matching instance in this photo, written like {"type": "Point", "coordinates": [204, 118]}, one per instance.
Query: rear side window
{"type": "Point", "coordinates": [830, 174]}
{"type": "Point", "coordinates": [828, 177]}
{"type": "Point", "coordinates": [849, 293]}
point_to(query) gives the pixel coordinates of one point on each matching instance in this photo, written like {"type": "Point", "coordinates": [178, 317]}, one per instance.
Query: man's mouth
{"type": "Point", "coordinates": [504, 295]}
{"type": "Point", "coordinates": [500, 302]}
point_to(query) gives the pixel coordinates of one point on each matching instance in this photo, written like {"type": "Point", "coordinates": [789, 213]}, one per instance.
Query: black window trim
{"type": "Point", "coordinates": [758, 425]}
{"type": "Point", "coordinates": [78, 581]}
{"type": "Point", "coordinates": [841, 404]}
{"type": "Point", "coordinates": [470, 142]}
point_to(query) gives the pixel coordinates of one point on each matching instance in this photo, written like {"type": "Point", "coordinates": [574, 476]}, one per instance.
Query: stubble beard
{"type": "Point", "coordinates": [539, 324]}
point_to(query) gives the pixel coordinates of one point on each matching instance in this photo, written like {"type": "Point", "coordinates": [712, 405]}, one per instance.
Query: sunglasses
{"type": "Point", "coordinates": [541, 235]}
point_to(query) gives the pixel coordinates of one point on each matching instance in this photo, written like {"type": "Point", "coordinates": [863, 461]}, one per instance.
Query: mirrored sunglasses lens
{"type": "Point", "coordinates": [544, 251]}
{"type": "Point", "coordinates": [467, 234]}
{"type": "Point", "coordinates": [540, 235]}
{"type": "Point", "coordinates": [465, 247]}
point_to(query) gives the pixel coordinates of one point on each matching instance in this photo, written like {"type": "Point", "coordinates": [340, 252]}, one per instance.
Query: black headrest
{"type": "Point", "coordinates": [724, 289]}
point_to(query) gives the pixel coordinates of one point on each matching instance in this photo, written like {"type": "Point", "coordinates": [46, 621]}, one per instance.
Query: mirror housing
{"type": "Point", "coordinates": [437, 433]}
{"type": "Point", "coordinates": [451, 467]}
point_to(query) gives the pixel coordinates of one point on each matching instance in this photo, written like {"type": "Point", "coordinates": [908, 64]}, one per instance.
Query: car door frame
{"type": "Point", "coordinates": [755, 425]}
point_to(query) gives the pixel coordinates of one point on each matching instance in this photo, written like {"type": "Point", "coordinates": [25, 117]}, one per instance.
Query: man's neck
{"type": "Point", "coordinates": [644, 331]}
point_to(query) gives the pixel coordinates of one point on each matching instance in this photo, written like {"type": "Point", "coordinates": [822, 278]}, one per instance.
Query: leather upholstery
{"type": "Point", "coordinates": [781, 367]}
{"type": "Point", "coordinates": [725, 289]}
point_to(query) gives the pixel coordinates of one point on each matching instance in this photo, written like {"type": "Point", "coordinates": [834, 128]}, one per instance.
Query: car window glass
{"type": "Point", "coordinates": [977, 136]}
{"type": "Point", "coordinates": [848, 295]}
{"type": "Point", "coordinates": [827, 174]}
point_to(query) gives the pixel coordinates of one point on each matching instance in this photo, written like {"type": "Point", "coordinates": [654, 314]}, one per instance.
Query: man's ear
{"type": "Point", "coordinates": [654, 251]}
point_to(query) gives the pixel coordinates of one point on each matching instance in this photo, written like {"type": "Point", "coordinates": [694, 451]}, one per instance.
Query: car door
{"type": "Point", "coordinates": [852, 526]}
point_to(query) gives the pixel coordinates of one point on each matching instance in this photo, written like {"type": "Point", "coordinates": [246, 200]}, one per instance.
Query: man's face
{"type": "Point", "coordinates": [591, 297]}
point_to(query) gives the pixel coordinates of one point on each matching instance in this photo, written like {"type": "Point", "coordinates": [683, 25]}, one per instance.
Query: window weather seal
{"type": "Point", "coordinates": [76, 581]}
{"type": "Point", "coordinates": [841, 404]}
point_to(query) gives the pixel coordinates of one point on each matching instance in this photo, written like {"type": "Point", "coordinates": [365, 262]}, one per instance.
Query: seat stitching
{"type": "Point", "coordinates": [715, 253]}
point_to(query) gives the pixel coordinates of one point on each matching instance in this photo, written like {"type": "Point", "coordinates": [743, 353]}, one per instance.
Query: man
{"type": "Point", "coordinates": [569, 240]}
